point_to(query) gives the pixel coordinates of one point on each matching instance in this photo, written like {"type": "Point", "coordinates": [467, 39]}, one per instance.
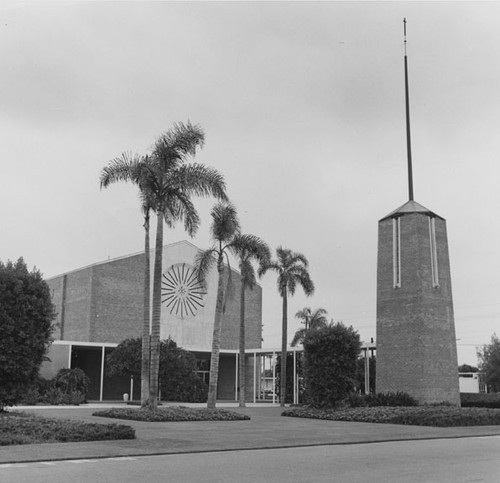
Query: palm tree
{"type": "Point", "coordinates": [247, 248]}
{"type": "Point", "coordinates": [292, 270]}
{"type": "Point", "coordinates": [172, 183]}
{"type": "Point", "coordinates": [311, 320]}
{"type": "Point", "coordinates": [168, 184]}
{"type": "Point", "coordinates": [225, 233]}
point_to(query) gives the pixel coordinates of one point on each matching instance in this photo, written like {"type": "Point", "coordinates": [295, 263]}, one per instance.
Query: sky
{"type": "Point", "coordinates": [302, 104]}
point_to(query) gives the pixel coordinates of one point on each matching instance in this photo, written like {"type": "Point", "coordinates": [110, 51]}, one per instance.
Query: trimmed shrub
{"type": "Point", "coordinates": [392, 399]}
{"type": "Point", "coordinates": [439, 416]}
{"type": "Point", "coordinates": [69, 386]}
{"type": "Point", "coordinates": [70, 381]}
{"type": "Point", "coordinates": [472, 400]}
{"type": "Point", "coordinates": [172, 414]}
{"type": "Point", "coordinates": [330, 361]}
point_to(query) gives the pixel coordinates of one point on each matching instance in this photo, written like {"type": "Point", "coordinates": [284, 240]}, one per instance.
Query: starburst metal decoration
{"type": "Point", "coordinates": [181, 291]}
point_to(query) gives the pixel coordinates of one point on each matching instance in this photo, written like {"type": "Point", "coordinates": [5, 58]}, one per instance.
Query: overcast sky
{"type": "Point", "coordinates": [303, 109]}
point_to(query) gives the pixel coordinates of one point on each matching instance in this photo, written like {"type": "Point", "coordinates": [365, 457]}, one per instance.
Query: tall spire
{"type": "Point", "coordinates": [408, 137]}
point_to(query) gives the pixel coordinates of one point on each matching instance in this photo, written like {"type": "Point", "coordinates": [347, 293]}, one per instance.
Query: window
{"type": "Point", "coordinates": [433, 245]}
{"type": "Point", "coordinates": [396, 252]}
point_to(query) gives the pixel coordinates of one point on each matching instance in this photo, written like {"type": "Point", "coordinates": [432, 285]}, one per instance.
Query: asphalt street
{"type": "Point", "coordinates": [440, 460]}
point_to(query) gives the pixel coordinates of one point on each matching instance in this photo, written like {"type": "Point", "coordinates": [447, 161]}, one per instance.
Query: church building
{"type": "Point", "coordinates": [101, 305]}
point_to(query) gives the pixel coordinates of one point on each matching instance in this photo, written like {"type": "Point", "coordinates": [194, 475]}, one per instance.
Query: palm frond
{"type": "Point", "coordinates": [122, 168]}
{"type": "Point", "coordinates": [200, 180]}
{"type": "Point", "coordinates": [303, 314]}
{"type": "Point", "coordinates": [305, 282]}
{"type": "Point", "coordinates": [203, 262]}
{"type": "Point", "coordinates": [172, 147]}
{"type": "Point", "coordinates": [270, 265]}
{"type": "Point", "coordinates": [179, 207]}
{"type": "Point", "coordinates": [298, 337]}
{"type": "Point", "coordinates": [225, 224]}
{"type": "Point", "coordinates": [251, 247]}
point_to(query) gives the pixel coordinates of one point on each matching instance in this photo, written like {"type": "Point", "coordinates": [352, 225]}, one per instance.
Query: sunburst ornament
{"type": "Point", "coordinates": [182, 293]}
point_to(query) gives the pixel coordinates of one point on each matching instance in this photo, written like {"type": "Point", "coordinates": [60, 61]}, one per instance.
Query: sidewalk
{"type": "Point", "coordinates": [266, 429]}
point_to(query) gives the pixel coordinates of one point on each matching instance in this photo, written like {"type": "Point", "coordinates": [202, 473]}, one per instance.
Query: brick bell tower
{"type": "Point", "coordinates": [416, 343]}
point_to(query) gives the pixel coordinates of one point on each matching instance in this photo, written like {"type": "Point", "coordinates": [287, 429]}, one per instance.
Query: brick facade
{"type": "Point", "coordinates": [104, 303]}
{"type": "Point", "coordinates": [416, 344]}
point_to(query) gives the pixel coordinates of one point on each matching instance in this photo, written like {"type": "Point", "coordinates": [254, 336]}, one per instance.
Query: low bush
{"type": "Point", "coordinates": [72, 382]}
{"type": "Point", "coordinates": [472, 400]}
{"type": "Point", "coordinates": [55, 397]}
{"type": "Point", "coordinates": [439, 416]}
{"type": "Point", "coordinates": [21, 428]}
{"type": "Point", "coordinates": [170, 414]}
{"type": "Point", "coordinates": [380, 399]}
{"type": "Point", "coordinates": [69, 386]}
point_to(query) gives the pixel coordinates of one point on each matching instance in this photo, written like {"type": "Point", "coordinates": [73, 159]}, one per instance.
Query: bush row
{"type": "Point", "coordinates": [69, 386]}
{"type": "Point", "coordinates": [438, 416]}
{"type": "Point", "coordinates": [470, 400]}
{"type": "Point", "coordinates": [173, 413]}
{"type": "Point", "coordinates": [381, 399]}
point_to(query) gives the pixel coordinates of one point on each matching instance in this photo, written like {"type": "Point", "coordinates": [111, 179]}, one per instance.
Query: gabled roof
{"type": "Point", "coordinates": [408, 208]}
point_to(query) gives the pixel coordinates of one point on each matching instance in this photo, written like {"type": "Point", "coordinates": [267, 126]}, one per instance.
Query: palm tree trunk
{"type": "Point", "coordinates": [242, 372]}
{"type": "Point", "coordinates": [214, 359]}
{"type": "Point", "coordinates": [283, 351]}
{"type": "Point", "coordinates": [155, 323]}
{"type": "Point", "coordinates": [146, 315]}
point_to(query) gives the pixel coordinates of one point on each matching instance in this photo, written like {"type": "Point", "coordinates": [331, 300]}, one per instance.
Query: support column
{"type": "Point", "coordinates": [102, 373]}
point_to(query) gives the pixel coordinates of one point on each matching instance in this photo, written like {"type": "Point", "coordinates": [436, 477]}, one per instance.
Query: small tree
{"type": "Point", "coordinates": [26, 315]}
{"type": "Point", "coordinates": [311, 320]}
{"type": "Point", "coordinates": [178, 378]}
{"type": "Point", "coordinates": [489, 363]}
{"type": "Point", "coordinates": [330, 364]}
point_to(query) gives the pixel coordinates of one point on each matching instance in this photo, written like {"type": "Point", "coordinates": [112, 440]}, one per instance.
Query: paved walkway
{"type": "Point", "coordinates": [266, 429]}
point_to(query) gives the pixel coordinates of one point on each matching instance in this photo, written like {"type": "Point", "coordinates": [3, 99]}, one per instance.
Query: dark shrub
{"type": "Point", "coordinates": [472, 400]}
{"type": "Point", "coordinates": [73, 383]}
{"type": "Point", "coordinates": [172, 414]}
{"type": "Point", "coordinates": [440, 416]}
{"type": "Point", "coordinates": [330, 356]}
{"type": "Point", "coordinates": [178, 380]}
{"type": "Point", "coordinates": [391, 399]}
{"type": "Point", "coordinates": [26, 314]}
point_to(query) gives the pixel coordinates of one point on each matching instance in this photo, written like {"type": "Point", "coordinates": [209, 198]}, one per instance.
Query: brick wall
{"type": "Point", "coordinates": [71, 293]}
{"type": "Point", "coordinates": [416, 345]}
{"type": "Point", "coordinates": [230, 332]}
{"type": "Point", "coordinates": [117, 300]}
